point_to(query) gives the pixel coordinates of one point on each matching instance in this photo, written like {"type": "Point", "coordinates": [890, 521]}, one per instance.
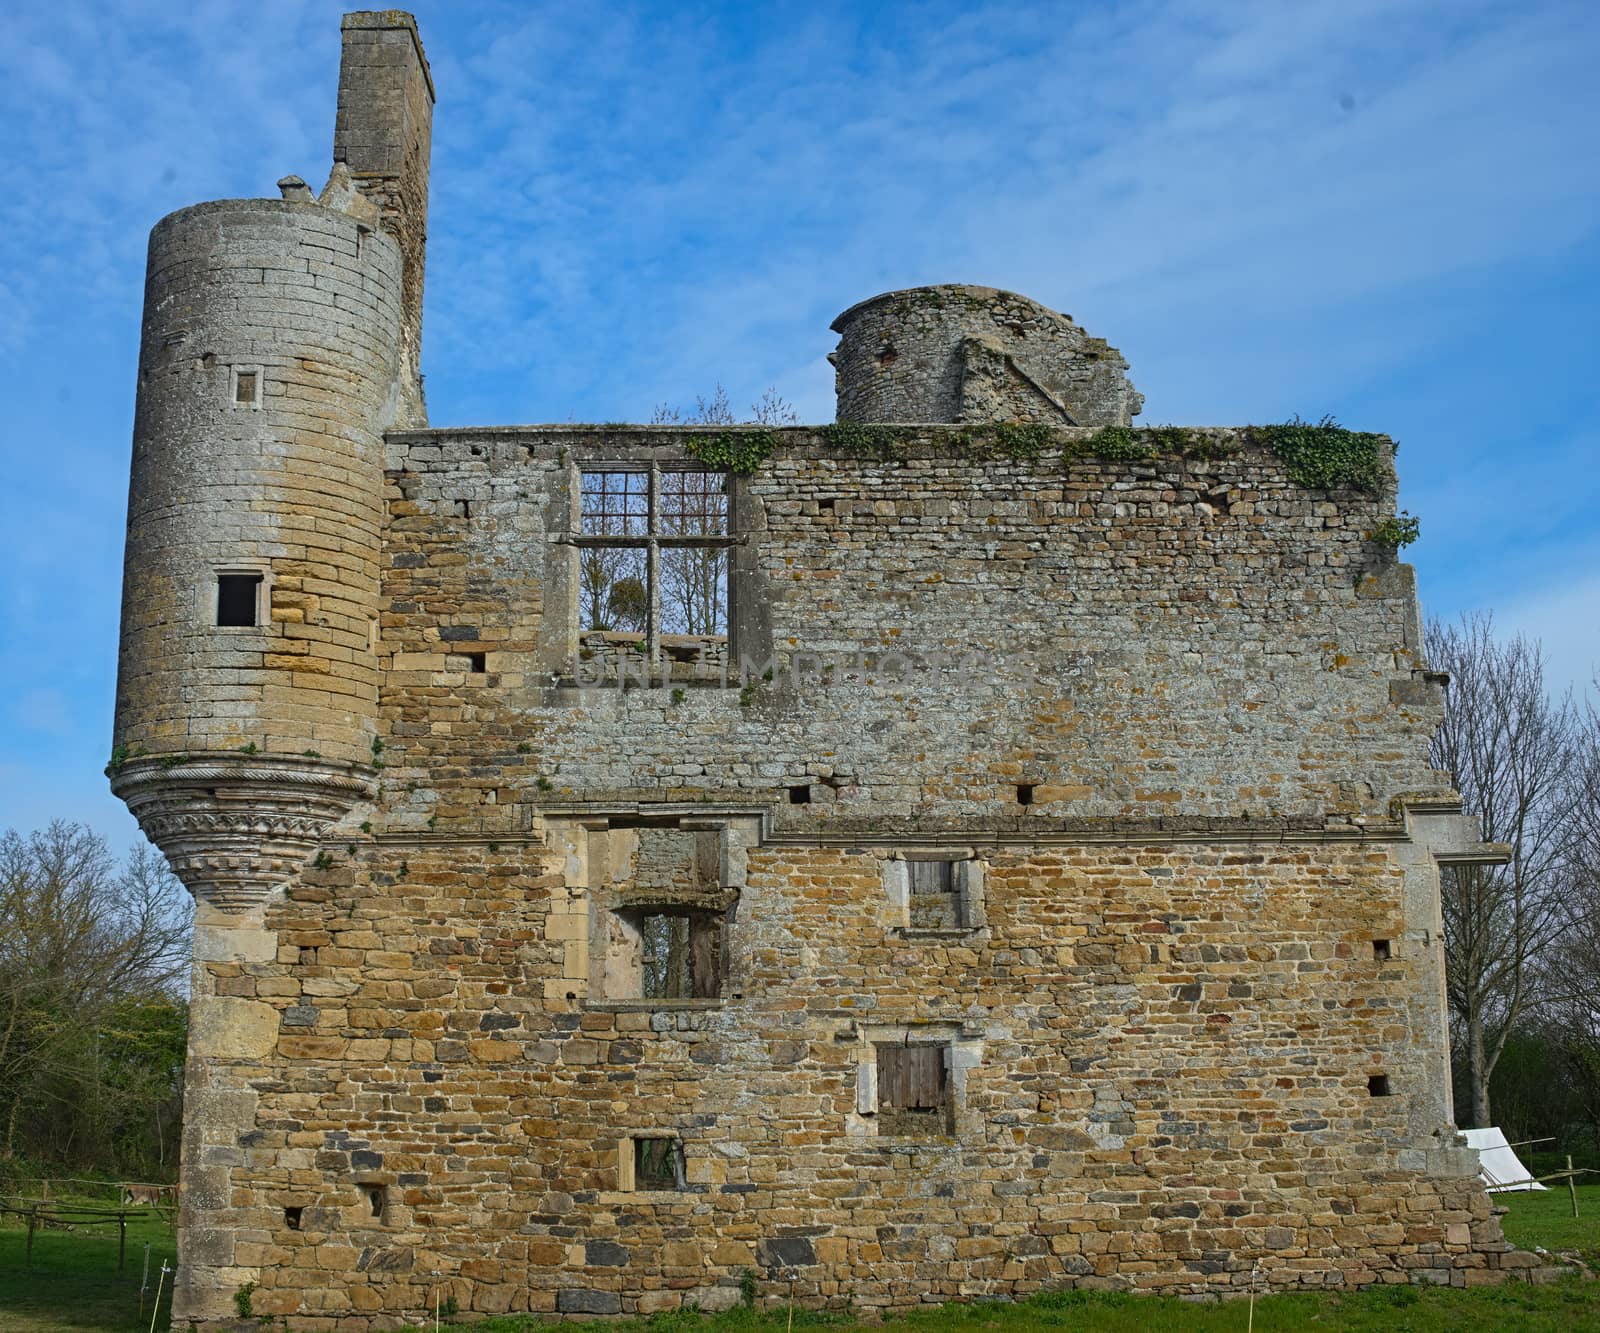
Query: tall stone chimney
{"type": "Point", "coordinates": [384, 136]}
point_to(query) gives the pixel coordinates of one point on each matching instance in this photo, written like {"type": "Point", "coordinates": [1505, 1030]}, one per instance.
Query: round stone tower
{"type": "Point", "coordinates": [956, 353]}
{"type": "Point", "coordinates": [278, 345]}
{"type": "Point", "coordinates": [247, 682]}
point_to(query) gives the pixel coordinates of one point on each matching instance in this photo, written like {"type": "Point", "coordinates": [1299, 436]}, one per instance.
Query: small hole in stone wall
{"type": "Point", "coordinates": [826, 506]}
{"type": "Point", "coordinates": [374, 1195]}
{"type": "Point", "coordinates": [1378, 1085]}
{"type": "Point", "coordinates": [1024, 793]}
{"type": "Point", "coordinates": [800, 795]}
{"type": "Point", "coordinates": [1381, 950]}
{"type": "Point", "coordinates": [463, 509]}
{"type": "Point", "coordinates": [292, 1216]}
{"type": "Point", "coordinates": [887, 355]}
{"type": "Point", "coordinates": [477, 661]}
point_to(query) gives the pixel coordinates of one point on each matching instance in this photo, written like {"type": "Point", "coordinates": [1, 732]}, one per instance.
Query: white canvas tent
{"type": "Point", "coordinates": [1498, 1162]}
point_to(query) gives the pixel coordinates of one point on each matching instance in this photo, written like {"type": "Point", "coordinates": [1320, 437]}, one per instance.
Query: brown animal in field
{"type": "Point", "coordinates": [145, 1196]}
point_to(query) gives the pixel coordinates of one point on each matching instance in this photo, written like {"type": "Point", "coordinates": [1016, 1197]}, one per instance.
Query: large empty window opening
{"type": "Point", "coordinates": [666, 953]}
{"type": "Point", "coordinates": [238, 599]}
{"type": "Point", "coordinates": [654, 552]}
{"type": "Point", "coordinates": [913, 1090]}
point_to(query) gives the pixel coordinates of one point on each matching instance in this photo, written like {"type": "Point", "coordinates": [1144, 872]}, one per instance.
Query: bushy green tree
{"type": "Point", "coordinates": [92, 1013]}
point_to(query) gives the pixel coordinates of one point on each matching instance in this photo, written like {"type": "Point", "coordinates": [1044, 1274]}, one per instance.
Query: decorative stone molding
{"type": "Point", "coordinates": [235, 826]}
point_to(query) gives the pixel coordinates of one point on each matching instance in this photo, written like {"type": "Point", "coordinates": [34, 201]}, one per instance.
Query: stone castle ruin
{"type": "Point", "coordinates": [972, 847]}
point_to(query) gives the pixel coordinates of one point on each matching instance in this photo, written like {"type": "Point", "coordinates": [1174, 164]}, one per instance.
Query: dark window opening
{"type": "Point", "coordinates": [800, 795]}
{"type": "Point", "coordinates": [680, 955]}
{"type": "Point", "coordinates": [1381, 950]}
{"type": "Point", "coordinates": [477, 661]}
{"type": "Point", "coordinates": [658, 1164]}
{"type": "Point", "coordinates": [244, 386]}
{"type": "Point", "coordinates": [374, 1195]}
{"type": "Point", "coordinates": [1378, 1085]}
{"type": "Point", "coordinates": [292, 1216]}
{"type": "Point", "coordinates": [237, 598]}
{"type": "Point", "coordinates": [1025, 793]}
{"type": "Point", "coordinates": [463, 508]}
{"type": "Point", "coordinates": [913, 1090]}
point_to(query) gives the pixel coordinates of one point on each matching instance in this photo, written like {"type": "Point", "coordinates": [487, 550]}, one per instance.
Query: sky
{"type": "Point", "coordinates": [1386, 212]}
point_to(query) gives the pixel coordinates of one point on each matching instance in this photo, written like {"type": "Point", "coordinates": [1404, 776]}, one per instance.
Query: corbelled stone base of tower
{"type": "Point", "coordinates": [236, 826]}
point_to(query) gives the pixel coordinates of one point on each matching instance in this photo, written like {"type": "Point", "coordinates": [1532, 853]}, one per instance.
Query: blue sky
{"type": "Point", "coordinates": [1387, 212]}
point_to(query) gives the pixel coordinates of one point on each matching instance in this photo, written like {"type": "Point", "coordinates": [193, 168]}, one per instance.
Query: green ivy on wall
{"type": "Point", "coordinates": [739, 452]}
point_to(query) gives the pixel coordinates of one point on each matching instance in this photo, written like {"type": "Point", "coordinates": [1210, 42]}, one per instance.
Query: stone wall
{"type": "Point", "coordinates": [1185, 638]}
{"type": "Point", "coordinates": [1188, 1023]}
{"type": "Point", "coordinates": [1172, 1047]}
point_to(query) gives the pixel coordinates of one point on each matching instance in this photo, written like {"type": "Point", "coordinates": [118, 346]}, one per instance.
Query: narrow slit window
{"type": "Point", "coordinates": [1025, 793]}
{"type": "Point", "coordinates": [238, 599]}
{"type": "Point", "coordinates": [292, 1217]}
{"type": "Point", "coordinates": [374, 1196]}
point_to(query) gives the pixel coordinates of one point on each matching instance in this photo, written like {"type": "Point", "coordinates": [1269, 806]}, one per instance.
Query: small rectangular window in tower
{"type": "Point", "coordinates": [1378, 1085]}
{"type": "Point", "coordinates": [238, 599]}
{"type": "Point", "coordinates": [247, 383]}
{"type": "Point", "coordinates": [1381, 952]}
{"type": "Point", "coordinates": [373, 1195]}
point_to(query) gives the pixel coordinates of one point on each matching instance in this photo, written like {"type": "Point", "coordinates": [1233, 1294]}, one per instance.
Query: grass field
{"type": "Point", "coordinates": [74, 1287]}
{"type": "Point", "coordinates": [73, 1284]}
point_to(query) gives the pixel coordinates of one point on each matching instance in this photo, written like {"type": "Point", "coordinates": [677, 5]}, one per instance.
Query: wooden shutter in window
{"type": "Point", "coordinates": [911, 1078]}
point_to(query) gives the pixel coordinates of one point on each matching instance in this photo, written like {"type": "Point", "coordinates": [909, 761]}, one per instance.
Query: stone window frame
{"type": "Point", "coordinates": [206, 596]}
{"type": "Point", "coordinates": [581, 838]}
{"type": "Point", "coordinates": [963, 1052]}
{"type": "Point", "coordinates": [654, 539]}
{"type": "Point", "coordinates": [969, 874]}
{"type": "Point", "coordinates": [256, 401]}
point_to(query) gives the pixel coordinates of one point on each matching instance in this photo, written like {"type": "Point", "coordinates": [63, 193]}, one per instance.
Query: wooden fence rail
{"type": "Point", "coordinates": [46, 1213]}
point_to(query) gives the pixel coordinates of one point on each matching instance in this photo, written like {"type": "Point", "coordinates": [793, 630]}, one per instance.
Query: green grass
{"type": "Point", "coordinates": [1546, 1219]}
{"type": "Point", "coordinates": [73, 1284]}
{"type": "Point", "coordinates": [1568, 1305]}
